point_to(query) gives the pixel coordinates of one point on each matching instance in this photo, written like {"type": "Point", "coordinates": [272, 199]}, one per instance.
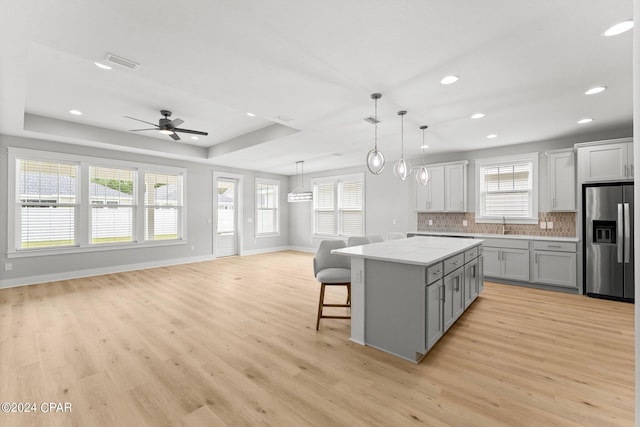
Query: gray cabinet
{"type": "Point", "coordinates": [471, 282]}
{"type": "Point", "coordinates": [453, 297]}
{"type": "Point", "coordinates": [554, 263]}
{"type": "Point", "coordinates": [507, 259]}
{"type": "Point", "coordinates": [562, 181]}
{"type": "Point", "coordinates": [446, 190]}
{"type": "Point", "coordinates": [605, 161]}
{"type": "Point", "coordinates": [430, 197]}
{"type": "Point", "coordinates": [435, 318]}
{"type": "Point", "coordinates": [455, 187]}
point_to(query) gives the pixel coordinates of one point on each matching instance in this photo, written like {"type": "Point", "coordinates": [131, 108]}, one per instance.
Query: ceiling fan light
{"type": "Point", "coordinates": [165, 131]}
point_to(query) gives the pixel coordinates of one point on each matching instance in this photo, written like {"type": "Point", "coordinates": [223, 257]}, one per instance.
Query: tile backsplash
{"type": "Point", "coordinates": [564, 224]}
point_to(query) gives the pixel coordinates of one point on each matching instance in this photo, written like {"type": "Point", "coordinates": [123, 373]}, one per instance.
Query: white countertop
{"type": "Point", "coordinates": [496, 236]}
{"type": "Point", "coordinates": [422, 250]}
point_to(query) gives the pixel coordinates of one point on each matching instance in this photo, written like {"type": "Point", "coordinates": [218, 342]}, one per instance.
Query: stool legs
{"type": "Point", "coordinates": [321, 303]}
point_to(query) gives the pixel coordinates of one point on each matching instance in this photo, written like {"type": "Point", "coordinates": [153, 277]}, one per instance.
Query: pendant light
{"type": "Point", "coordinates": [422, 175]}
{"type": "Point", "coordinates": [375, 158]}
{"type": "Point", "coordinates": [402, 168]}
{"type": "Point", "coordinates": [299, 194]}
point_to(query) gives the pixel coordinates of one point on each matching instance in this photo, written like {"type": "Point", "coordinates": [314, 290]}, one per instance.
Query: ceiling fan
{"type": "Point", "coordinates": [168, 126]}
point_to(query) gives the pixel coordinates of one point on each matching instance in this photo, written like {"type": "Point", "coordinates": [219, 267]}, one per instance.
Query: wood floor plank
{"type": "Point", "coordinates": [233, 342]}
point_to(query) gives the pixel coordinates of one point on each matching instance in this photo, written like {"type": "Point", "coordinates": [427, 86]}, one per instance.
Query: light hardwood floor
{"type": "Point", "coordinates": [232, 342]}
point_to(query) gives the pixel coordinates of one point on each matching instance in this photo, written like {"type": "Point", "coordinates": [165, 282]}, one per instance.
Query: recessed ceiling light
{"type": "Point", "coordinates": [251, 114]}
{"type": "Point", "coordinates": [424, 146]}
{"type": "Point", "coordinates": [478, 116]}
{"type": "Point", "coordinates": [101, 65]}
{"type": "Point", "coordinates": [595, 90]}
{"type": "Point", "coordinates": [75, 112]}
{"type": "Point", "coordinates": [619, 28]}
{"type": "Point", "coordinates": [195, 138]}
{"type": "Point", "coordinates": [449, 79]}
{"type": "Point", "coordinates": [491, 136]}
{"type": "Point", "coordinates": [585, 120]}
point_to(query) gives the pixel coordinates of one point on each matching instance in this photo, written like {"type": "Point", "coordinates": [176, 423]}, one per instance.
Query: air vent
{"type": "Point", "coordinates": [123, 62]}
{"type": "Point", "coordinates": [372, 120]}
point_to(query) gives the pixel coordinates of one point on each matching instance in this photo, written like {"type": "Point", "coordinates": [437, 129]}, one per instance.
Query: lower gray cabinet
{"type": "Point", "coordinates": [453, 297]}
{"type": "Point", "coordinates": [554, 268]}
{"type": "Point", "coordinates": [471, 282]}
{"type": "Point", "coordinates": [435, 318]}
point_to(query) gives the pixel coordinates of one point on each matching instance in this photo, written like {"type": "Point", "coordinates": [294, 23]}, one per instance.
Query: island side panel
{"type": "Point", "coordinates": [357, 300]}
{"type": "Point", "coordinates": [395, 308]}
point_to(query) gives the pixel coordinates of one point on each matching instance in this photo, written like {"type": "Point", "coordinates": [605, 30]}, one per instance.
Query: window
{"type": "Point", "coordinates": [66, 203]}
{"type": "Point", "coordinates": [338, 205]}
{"type": "Point", "coordinates": [507, 189]}
{"type": "Point", "coordinates": [112, 198]}
{"type": "Point", "coordinates": [46, 204]}
{"type": "Point", "coordinates": [162, 206]}
{"type": "Point", "coordinates": [267, 202]}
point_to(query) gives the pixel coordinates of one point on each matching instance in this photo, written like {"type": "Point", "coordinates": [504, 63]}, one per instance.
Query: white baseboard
{"type": "Point", "coordinates": [302, 249]}
{"type": "Point", "coordinates": [67, 275]}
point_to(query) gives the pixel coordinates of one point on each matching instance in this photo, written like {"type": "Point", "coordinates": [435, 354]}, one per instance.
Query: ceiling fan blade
{"type": "Point", "coordinates": [149, 123]}
{"type": "Point", "coordinates": [195, 132]}
{"type": "Point", "coordinates": [175, 136]}
{"type": "Point", "coordinates": [177, 122]}
{"type": "Point", "coordinates": [138, 130]}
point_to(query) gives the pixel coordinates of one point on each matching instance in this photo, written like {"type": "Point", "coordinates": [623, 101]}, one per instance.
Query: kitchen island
{"type": "Point", "coordinates": [406, 293]}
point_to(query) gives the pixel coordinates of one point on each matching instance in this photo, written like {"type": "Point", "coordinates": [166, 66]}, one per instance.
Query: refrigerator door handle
{"type": "Point", "coordinates": [620, 231]}
{"type": "Point", "coordinates": [627, 235]}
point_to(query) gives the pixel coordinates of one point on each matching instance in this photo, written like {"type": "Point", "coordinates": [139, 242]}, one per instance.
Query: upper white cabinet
{"type": "Point", "coordinates": [562, 180]}
{"type": "Point", "coordinates": [430, 197]}
{"type": "Point", "coordinates": [446, 190]}
{"type": "Point", "coordinates": [605, 161]}
{"type": "Point", "coordinates": [455, 187]}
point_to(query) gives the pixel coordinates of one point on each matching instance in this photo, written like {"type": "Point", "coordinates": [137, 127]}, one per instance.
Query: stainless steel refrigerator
{"type": "Point", "coordinates": [608, 240]}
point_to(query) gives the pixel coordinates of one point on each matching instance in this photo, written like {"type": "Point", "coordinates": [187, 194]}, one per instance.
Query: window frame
{"type": "Point", "coordinates": [532, 217]}
{"type": "Point", "coordinates": [83, 219]}
{"type": "Point", "coordinates": [338, 203]}
{"type": "Point", "coordinates": [276, 219]}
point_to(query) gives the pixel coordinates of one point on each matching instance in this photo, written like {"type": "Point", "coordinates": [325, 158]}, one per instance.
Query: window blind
{"type": "Point", "coordinates": [266, 207]}
{"type": "Point", "coordinates": [339, 206]}
{"type": "Point", "coordinates": [47, 203]}
{"type": "Point", "coordinates": [163, 206]}
{"type": "Point", "coordinates": [111, 194]}
{"type": "Point", "coordinates": [506, 190]}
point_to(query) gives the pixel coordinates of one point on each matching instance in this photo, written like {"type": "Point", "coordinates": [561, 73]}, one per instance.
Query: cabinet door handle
{"type": "Point", "coordinates": [474, 271]}
{"type": "Point", "coordinates": [435, 273]}
{"type": "Point", "coordinates": [537, 258]}
{"type": "Point", "coordinates": [443, 294]}
{"type": "Point", "coordinates": [457, 288]}
{"type": "Point", "coordinates": [456, 262]}
{"type": "Point", "coordinates": [626, 170]}
{"type": "Point", "coordinates": [553, 205]}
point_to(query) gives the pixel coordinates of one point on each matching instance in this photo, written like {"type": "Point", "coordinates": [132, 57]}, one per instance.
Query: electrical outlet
{"type": "Point", "coordinates": [549, 225]}
{"type": "Point", "coordinates": [543, 225]}
{"type": "Point", "coordinates": [464, 223]}
{"type": "Point", "coordinates": [430, 222]}
{"type": "Point", "coordinates": [8, 267]}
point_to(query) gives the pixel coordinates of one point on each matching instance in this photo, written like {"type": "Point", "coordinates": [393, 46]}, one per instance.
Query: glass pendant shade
{"type": "Point", "coordinates": [375, 158]}
{"type": "Point", "coordinates": [402, 169]}
{"type": "Point", "coordinates": [375, 161]}
{"type": "Point", "coordinates": [422, 175]}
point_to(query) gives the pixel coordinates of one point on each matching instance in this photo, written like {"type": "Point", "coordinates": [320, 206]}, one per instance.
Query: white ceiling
{"type": "Point", "coordinates": [525, 65]}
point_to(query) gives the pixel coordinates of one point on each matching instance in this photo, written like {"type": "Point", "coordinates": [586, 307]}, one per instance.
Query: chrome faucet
{"type": "Point", "coordinates": [504, 225]}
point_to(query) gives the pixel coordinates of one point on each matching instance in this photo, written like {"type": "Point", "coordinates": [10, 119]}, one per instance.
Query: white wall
{"type": "Point", "coordinates": [199, 204]}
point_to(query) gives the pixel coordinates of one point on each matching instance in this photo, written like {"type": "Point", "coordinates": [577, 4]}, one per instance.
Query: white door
{"type": "Point", "coordinates": [227, 218]}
